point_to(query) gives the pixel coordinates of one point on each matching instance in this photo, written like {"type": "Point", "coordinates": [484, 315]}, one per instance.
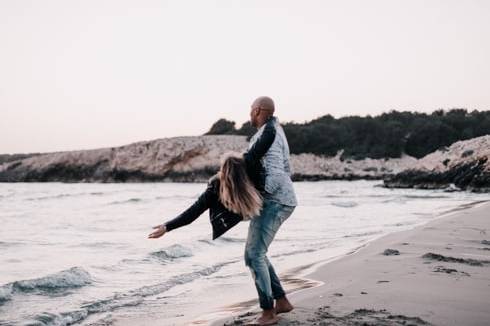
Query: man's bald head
{"type": "Point", "coordinates": [264, 103]}
{"type": "Point", "coordinates": [262, 108]}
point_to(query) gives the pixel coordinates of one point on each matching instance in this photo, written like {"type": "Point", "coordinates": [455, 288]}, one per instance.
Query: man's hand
{"type": "Point", "coordinates": [160, 230]}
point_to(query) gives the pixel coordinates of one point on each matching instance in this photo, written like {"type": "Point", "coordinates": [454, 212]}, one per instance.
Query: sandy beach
{"type": "Point", "coordinates": [434, 274]}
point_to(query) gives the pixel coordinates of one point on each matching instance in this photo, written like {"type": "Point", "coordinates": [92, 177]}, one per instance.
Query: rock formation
{"type": "Point", "coordinates": [168, 159]}
{"type": "Point", "coordinates": [464, 165]}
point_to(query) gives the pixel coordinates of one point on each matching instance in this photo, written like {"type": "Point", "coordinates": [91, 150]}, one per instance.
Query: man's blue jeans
{"type": "Point", "coordinates": [261, 232]}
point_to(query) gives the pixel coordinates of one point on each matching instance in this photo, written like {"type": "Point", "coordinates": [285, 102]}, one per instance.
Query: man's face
{"type": "Point", "coordinates": [254, 114]}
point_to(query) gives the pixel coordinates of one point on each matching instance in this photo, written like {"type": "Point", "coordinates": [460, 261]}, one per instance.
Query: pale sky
{"type": "Point", "coordinates": [90, 74]}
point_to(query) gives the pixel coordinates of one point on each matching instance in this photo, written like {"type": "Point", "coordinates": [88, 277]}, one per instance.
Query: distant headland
{"type": "Point", "coordinates": [444, 149]}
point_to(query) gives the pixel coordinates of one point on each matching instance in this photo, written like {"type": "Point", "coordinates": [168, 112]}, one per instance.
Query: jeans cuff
{"type": "Point", "coordinates": [267, 304]}
{"type": "Point", "coordinates": [279, 296]}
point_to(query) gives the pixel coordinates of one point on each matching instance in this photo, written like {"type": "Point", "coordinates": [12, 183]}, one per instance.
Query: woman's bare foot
{"type": "Point", "coordinates": [283, 305]}
{"type": "Point", "coordinates": [268, 317]}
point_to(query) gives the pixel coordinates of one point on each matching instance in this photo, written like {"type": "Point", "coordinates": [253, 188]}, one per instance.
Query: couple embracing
{"type": "Point", "coordinates": [254, 186]}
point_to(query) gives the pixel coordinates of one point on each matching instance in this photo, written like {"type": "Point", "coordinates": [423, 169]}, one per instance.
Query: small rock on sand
{"type": "Point", "coordinates": [390, 252]}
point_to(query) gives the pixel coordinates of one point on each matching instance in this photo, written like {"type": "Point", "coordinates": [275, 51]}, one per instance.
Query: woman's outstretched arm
{"type": "Point", "coordinates": [188, 216]}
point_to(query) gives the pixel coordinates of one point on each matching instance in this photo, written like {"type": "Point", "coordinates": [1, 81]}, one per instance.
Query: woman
{"type": "Point", "coordinates": [233, 194]}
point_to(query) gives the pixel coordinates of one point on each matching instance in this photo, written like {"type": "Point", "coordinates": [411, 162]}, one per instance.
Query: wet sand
{"type": "Point", "coordinates": [435, 274]}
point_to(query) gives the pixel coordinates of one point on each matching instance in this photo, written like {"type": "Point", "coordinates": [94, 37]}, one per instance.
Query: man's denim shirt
{"type": "Point", "coordinates": [278, 184]}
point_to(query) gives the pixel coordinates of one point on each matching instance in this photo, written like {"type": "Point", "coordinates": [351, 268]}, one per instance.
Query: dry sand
{"type": "Point", "coordinates": [440, 276]}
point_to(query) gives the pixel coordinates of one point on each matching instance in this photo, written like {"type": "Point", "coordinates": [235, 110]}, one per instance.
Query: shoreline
{"type": "Point", "coordinates": [339, 298]}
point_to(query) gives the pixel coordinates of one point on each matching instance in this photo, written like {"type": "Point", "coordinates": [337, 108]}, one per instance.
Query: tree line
{"type": "Point", "coordinates": [387, 135]}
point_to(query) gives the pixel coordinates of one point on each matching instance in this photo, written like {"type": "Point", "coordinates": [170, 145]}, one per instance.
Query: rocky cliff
{"type": "Point", "coordinates": [463, 165]}
{"type": "Point", "coordinates": [168, 159]}
{"type": "Point", "coordinates": [180, 159]}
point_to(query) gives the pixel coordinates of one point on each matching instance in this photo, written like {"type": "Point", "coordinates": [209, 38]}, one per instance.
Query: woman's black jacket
{"type": "Point", "coordinates": [220, 217]}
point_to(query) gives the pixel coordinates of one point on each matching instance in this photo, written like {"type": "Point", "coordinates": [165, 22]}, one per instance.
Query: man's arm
{"type": "Point", "coordinates": [262, 145]}
{"type": "Point", "coordinates": [193, 212]}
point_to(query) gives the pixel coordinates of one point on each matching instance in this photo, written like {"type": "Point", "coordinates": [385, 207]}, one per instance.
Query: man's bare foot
{"type": "Point", "coordinates": [283, 305]}
{"type": "Point", "coordinates": [268, 317]}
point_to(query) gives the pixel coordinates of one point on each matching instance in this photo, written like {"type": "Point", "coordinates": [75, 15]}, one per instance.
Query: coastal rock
{"type": "Point", "coordinates": [464, 165]}
{"type": "Point", "coordinates": [180, 159]}
{"type": "Point", "coordinates": [310, 167]}
{"type": "Point", "coordinates": [184, 159]}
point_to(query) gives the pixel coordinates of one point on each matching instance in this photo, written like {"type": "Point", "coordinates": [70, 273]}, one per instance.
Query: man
{"type": "Point", "coordinates": [279, 203]}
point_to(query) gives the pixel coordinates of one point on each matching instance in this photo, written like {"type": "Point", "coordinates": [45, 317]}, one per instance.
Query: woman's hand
{"type": "Point", "coordinates": [160, 230]}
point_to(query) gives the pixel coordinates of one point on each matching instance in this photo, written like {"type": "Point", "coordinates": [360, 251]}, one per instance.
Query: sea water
{"type": "Point", "coordinates": [78, 253]}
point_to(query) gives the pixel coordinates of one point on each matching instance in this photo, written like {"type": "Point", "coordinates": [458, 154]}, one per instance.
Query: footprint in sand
{"type": "Point", "coordinates": [443, 269]}
{"type": "Point", "coordinates": [364, 316]}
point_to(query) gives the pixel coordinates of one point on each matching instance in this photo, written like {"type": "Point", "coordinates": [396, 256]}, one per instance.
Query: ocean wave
{"type": "Point", "coordinates": [6, 244]}
{"type": "Point", "coordinates": [121, 300]}
{"type": "Point", "coordinates": [425, 196]}
{"type": "Point", "coordinates": [104, 321]}
{"type": "Point", "coordinates": [173, 252]}
{"type": "Point", "coordinates": [352, 195]}
{"type": "Point", "coordinates": [7, 195]}
{"type": "Point", "coordinates": [295, 252]}
{"type": "Point", "coordinates": [333, 196]}
{"type": "Point", "coordinates": [99, 244]}
{"type": "Point", "coordinates": [230, 239]}
{"type": "Point", "coordinates": [463, 206]}
{"type": "Point", "coordinates": [6, 292]}
{"type": "Point", "coordinates": [57, 196]}
{"type": "Point", "coordinates": [180, 279]}
{"type": "Point", "coordinates": [49, 197]}
{"type": "Point", "coordinates": [400, 224]}
{"type": "Point", "coordinates": [207, 241]}
{"type": "Point", "coordinates": [223, 239]}
{"type": "Point", "coordinates": [362, 234]}
{"type": "Point", "coordinates": [70, 278]}
{"type": "Point", "coordinates": [64, 195]}
{"type": "Point", "coordinates": [127, 201]}
{"type": "Point", "coordinates": [174, 197]}
{"type": "Point", "coordinates": [395, 200]}
{"type": "Point", "coordinates": [61, 319]}
{"type": "Point", "coordinates": [404, 198]}
{"type": "Point", "coordinates": [345, 204]}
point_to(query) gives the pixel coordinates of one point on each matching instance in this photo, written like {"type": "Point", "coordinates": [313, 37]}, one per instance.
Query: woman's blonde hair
{"type": "Point", "coordinates": [236, 190]}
